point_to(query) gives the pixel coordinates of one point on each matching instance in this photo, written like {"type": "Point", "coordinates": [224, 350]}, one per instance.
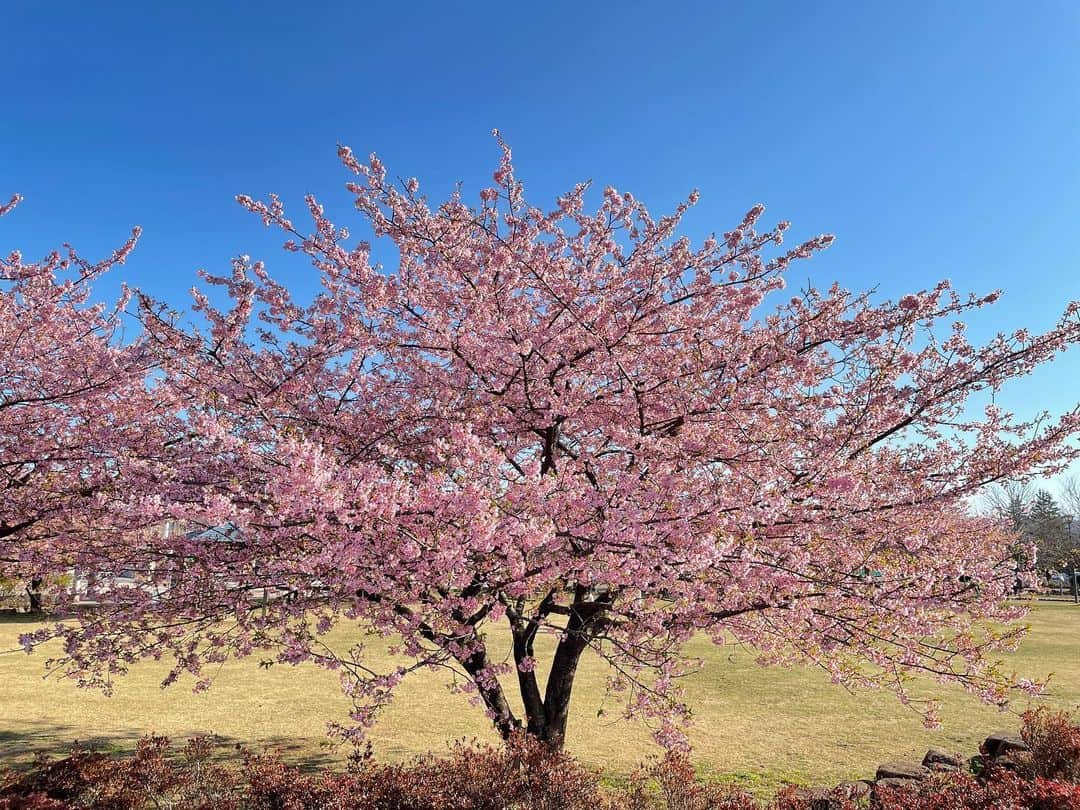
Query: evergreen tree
{"type": "Point", "coordinates": [1048, 528]}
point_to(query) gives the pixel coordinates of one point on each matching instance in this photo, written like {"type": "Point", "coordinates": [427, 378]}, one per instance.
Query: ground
{"type": "Point", "coordinates": [760, 727]}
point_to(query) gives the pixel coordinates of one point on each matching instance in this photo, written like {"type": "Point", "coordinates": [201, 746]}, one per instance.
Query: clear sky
{"type": "Point", "coordinates": [937, 140]}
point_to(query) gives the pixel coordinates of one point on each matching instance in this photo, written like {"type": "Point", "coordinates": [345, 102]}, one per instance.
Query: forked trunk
{"type": "Point", "coordinates": [546, 714]}
{"type": "Point", "coordinates": [546, 717]}
{"type": "Point", "coordinates": [560, 687]}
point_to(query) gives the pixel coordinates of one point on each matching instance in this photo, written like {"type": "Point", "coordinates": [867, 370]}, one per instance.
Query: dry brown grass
{"type": "Point", "coordinates": [757, 726]}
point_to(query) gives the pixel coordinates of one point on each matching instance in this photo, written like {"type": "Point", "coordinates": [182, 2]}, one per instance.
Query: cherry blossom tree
{"type": "Point", "coordinates": [579, 426]}
{"type": "Point", "coordinates": [72, 398]}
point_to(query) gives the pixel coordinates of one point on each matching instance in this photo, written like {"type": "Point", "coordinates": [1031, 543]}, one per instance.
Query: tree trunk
{"type": "Point", "coordinates": [492, 694]}
{"type": "Point", "coordinates": [560, 688]}
{"type": "Point", "coordinates": [524, 633]}
{"type": "Point", "coordinates": [546, 719]}
{"type": "Point", "coordinates": [33, 592]}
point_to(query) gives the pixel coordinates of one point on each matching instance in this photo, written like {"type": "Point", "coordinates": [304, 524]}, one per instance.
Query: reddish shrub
{"type": "Point", "coordinates": [679, 789]}
{"type": "Point", "coordinates": [1054, 741]}
{"type": "Point", "coordinates": [61, 780]}
{"type": "Point", "coordinates": [99, 782]}
{"type": "Point", "coordinates": [523, 775]}
{"type": "Point", "coordinates": [1003, 790]}
{"type": "Point", "coordinates": [270, 784]}
{"type": "Point", "coordinates": [34, 801]}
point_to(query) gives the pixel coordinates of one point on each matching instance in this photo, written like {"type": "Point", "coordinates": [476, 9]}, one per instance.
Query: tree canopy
{"type": "Point", "coordinates": [570, 422]}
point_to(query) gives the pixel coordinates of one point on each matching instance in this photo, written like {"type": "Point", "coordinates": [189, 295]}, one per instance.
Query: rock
{"type": "Point", "coordinates": [854, 790]}
{"type": "Point", "coordinates": [901, 769]}
{"type": "Point", "coordinates": [937, 757]}
{"type": "Point", "coordinates": [818, 798]}
{"type": "Point", "coordinates": [1002, 742]}
{"type": "Point", "coordinates": [942, 767]}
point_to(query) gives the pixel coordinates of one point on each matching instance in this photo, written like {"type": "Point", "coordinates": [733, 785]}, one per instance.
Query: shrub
{"type": "Point", "coordinates": [149, 778]}
{"type": "Point", "coordinates": [33, 801]}
{"type": "Point", "coordinates": [678, 789]}
{"type": "Point", "coordinates": [1003, 790]}
{"type": "Point", "coordinates": [522, 775]}
{"type": "Point", "coordinates": [1054, 743]}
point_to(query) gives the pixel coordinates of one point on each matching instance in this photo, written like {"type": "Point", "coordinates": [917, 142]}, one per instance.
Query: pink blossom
{"type": "Point", "coordinates": [842, 483]}
{"type": "Point", "coordinates": [578, 426]}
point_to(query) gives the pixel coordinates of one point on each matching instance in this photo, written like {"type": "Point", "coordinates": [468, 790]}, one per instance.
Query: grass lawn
{"type": "Point", "coordinates": [757, 726]}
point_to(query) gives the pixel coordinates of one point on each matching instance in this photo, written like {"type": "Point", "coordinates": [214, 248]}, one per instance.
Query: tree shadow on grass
{"type": "Point", "coordinates": [19, 748]}
{"type": "Point", "coordinates": [53, 740]}
{"type": "Point", "coordinates": [24, 618]}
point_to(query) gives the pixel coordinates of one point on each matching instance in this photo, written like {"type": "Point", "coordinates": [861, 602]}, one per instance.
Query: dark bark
{"type": "Point", "coordinates": [546, 717]}
{"type": "Point", "coordinates": [33, 592]}
{"type": "Point", "coordinates": [492, 695]}
{"type": "Point", "coordinates": [560, 688]}
{"type": "Point", "coordinates": [524, 634]}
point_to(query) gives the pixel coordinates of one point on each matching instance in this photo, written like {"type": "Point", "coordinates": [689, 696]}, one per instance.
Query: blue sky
{"type": "Point", "coordinates": [936, 140]}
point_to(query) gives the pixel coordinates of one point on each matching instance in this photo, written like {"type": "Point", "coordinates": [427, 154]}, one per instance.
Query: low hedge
{"type": "Point", "coordinates": [522, 775]}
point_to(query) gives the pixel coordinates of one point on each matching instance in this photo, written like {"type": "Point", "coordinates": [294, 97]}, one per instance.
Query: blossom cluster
{"type": "Point", "coordinates": [576, 425]}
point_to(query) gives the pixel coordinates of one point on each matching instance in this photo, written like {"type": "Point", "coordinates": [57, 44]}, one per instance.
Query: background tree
{"type": "Point", "coordinates": [1070, 500]}
{"type": "Point", "coordinates": [1059, 530]}
{"type": "Point", "coordinates": [1010, 501]}
{"type": "Point", "coordinates": [1070, 495]}
{"type": "Point", "coordinates": [1039, 523]}
{"type": "Point", "coordinates": [1048, 528]}
{"type": "Point", "coordinates": [583, 428]}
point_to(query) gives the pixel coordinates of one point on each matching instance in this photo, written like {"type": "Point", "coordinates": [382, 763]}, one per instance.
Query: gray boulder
{"type": "Point", "coordinates": [855, 790]}
{"type": "Point", "coordinates": [818, 798]}
{"type": "Point", "coordinates": [901, 769]}
{"type": "Point", "coordinates": [1002, 742]}
{"type": "Point", "coordinates": [937, 759]}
